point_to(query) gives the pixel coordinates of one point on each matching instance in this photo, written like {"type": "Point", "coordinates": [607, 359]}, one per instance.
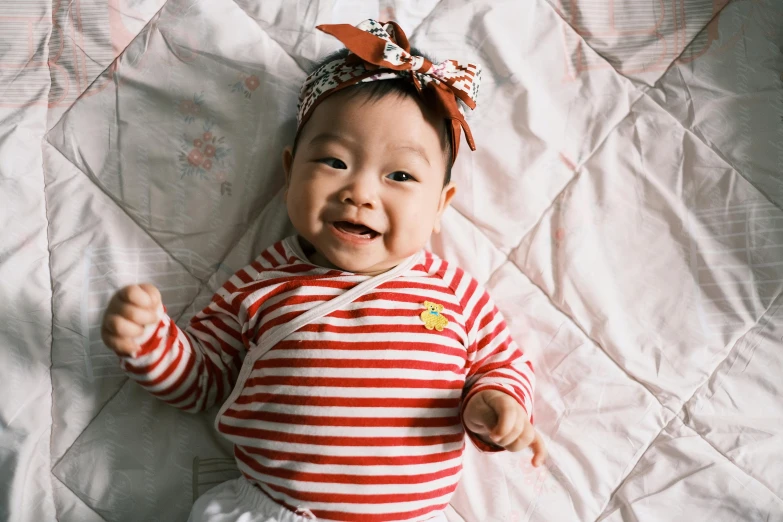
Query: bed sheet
{"type": "Point", "coordinates": [624, 208]}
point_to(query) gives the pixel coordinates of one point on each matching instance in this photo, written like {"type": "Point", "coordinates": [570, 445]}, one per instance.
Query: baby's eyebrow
{"type": "Point", "coordinates": [329, 136]}
{"type": "Point", "coordinates": [413, 148]}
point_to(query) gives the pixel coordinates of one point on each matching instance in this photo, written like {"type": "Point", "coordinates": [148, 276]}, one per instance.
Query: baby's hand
{"type": "Point", "coordinates": [495, 416]}
{"type": "Point", "coordinates": [129, 311]}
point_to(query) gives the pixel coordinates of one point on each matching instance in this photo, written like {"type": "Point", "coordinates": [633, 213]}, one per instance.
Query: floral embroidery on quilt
{"type": "Point", "coordinates": [246, 85]}
{"type": "Point", "coordinates": [191, 108]}
{"type": "Point", "coordinates": [202, 153]}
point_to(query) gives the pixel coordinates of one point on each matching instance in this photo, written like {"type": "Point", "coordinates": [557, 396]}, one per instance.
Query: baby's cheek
{"type": "Point", "coordinates": [419, 213]}
{"type": "Point", "coordinates": [415, 229]}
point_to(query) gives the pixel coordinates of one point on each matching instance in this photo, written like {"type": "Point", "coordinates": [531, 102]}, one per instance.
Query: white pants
{"type": "Point", "coordinates": [239, 501]}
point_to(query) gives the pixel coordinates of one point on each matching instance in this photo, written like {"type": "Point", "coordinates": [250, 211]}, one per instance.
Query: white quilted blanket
{"type": "Point", "coordinates": [623, 207]}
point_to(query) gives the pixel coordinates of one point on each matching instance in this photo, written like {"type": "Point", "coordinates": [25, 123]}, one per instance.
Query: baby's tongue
{"type": "Point", "coordinates": [353, 229]}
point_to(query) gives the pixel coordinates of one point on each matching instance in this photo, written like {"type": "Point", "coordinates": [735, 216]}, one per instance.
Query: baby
{"type": "Point", "coordinates": [349, 362]}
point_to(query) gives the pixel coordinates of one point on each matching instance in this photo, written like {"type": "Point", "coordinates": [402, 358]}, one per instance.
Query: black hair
{"type": "Point", "coordinates": [377, 90]}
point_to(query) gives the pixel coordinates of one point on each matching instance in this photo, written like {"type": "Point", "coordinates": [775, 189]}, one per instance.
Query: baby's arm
{"type": "Point", "coordinates": [191, 369]}
{"type": "Point", "coordinates": [498, 396]}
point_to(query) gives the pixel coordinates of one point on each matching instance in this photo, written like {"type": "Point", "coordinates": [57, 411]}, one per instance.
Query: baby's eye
{"type": "Point", "coordinates": [334, 163]}
{"type": "Point", "coordinates": [401, 176]}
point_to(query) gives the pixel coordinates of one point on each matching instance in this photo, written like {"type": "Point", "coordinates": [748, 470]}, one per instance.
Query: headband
{"type": "Point", "coordinates": [381, 52]}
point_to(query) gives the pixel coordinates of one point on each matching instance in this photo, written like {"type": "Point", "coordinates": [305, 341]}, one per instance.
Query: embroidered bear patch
{"type": "Point", "coordinates": [432, 317]}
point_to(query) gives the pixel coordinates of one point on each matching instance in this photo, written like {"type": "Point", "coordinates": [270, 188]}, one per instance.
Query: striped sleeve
{"type": "Point", "coordinates": [496, 362]}
{"type": "Point", "coordinates": [195, 368]}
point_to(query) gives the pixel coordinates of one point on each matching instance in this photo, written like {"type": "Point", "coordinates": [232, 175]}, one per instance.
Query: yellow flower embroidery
{"type": "Point", "coordinates": [432, 316]}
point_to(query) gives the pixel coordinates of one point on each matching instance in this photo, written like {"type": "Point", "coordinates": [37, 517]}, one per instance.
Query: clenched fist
{"type": "Point", "coordinates": [129, 311]}
{"type": "Point", "coordinates": [495, 416]}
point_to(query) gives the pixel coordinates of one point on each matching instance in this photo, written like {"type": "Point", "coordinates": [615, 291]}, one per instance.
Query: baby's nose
{"type": "Point", "coordinates": [359, 201]}
{"type": "Point", "coordinates": [362, 192]}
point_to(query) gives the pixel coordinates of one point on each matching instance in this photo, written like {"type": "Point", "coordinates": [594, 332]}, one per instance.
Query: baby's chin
{"type": "Point", "coordinates": [358, 266]}
{"type": "Point", "coordinates": [364, 261]}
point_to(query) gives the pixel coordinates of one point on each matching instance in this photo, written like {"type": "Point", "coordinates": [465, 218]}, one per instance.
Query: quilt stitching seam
{"type": "Point", "coordinates": [713, 151]}
{"type": "Point", "coordinates": [559, 15]}
{"type": "Point", "coordinates": [202, 283]}
{"type": "Point", "coordinates": [278, 44]}
{"type": "Point", "coordinates": [77, 496]}
{"type": "Point", "coordinates": [51, 477]}
{"type": "Point", "coordinates": [131, 217]}
{"type": "Point", "coordinates": [567, 185]}
{"type": "Point", "coordinates": [716, 450]}
{"type": "Point", "coordinates": [701, 140]}
{"type": "Point", "coordinates": [733, 348]}
{"type": "Point", "coordinates": [99, 75]}
{"type": "Point", "coordinates": [51, 298]}
{"type": "Point", "coordinates": [414, 32]}
{"type": "Point", "coordinates": [294, 57]}
{"type": "Point", "coordinates": [635, 459]}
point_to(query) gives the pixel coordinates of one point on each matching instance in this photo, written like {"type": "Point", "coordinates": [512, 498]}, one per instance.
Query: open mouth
{"type": "Point", "coordinates": [356, 229]}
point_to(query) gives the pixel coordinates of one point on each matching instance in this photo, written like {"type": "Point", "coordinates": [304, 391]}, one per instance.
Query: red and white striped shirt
{"type": "Point", "coordinates": [355, 416]}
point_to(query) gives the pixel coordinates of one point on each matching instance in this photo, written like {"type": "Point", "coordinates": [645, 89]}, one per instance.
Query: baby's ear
{"type": "Point", "coordinates": [445, 199]}
{"type": "Point", "coordinates": [288, 162]}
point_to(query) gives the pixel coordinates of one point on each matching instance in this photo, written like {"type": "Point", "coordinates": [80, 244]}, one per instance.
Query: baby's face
{"type": "Point", "coordinates": [366, 185]}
